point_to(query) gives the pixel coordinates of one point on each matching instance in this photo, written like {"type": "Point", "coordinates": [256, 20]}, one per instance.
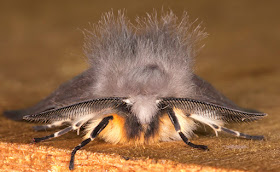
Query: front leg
{"type": "Point", "coordinates": [177, 126]}
{"type": "Point", "coordinates": [104, 122]}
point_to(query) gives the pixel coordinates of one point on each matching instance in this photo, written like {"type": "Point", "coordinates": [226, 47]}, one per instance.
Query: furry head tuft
{"type": "Point", "coordinates": [152, 58]}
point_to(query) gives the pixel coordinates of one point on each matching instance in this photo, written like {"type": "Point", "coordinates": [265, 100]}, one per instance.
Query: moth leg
{"type": "Point", "coordinates": [78, 124]}
{"type": "Point", "coordinates": [104, 122]}
{"type": "Point", "coordinates": [216, 127]}
{"type": "Point", "coordinates": [236, 133]}
{"type": "Point", "coordinates": [49, 126]}
{"type": "Point", "coordinates": [56, 134]}
{"type": "Point", "coordinates": [75, 126]}
{"type": "Point", "coordinates": [177, 126]}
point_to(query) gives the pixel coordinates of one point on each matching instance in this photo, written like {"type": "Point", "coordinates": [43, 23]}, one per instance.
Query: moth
{"type": "Point", "coordinates": [140, 86]}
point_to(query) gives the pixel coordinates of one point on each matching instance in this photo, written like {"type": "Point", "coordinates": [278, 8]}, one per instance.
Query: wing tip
{"type": "Point", "coordinates": [260, 115]}
{"type": "Point", "coordinates": [16, 115]}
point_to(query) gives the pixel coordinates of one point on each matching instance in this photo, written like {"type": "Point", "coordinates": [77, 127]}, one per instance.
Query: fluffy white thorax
{"type": "Point", "coordinates": [144, 108]}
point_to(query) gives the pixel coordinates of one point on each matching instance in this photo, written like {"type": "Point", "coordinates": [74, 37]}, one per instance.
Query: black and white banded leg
{"type": "Point", "coordinates": [49, 126]}
{"type": "Point", "coordinates": [235, 133]}
{"type": "Point", "coordinates": [177, 126]}
{"type": "Point", "coordinates": [56, 134]}
{"type": "Point", "coordinates": [75, 126]}
{"type": "Point", "coordinates": [104, 122]}
{"type": "Point", "coordinates": [218, 128]}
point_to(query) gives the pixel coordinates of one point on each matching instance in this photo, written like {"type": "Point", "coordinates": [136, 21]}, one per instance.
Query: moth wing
{"type": "Point", "coordinates": [92, 108]}
{"type": "Point", "coordinates": [205, 92]}
{"type": "Point", "coordinates": [78, 90]}
{"type": "Point", "coordinates": [209, 103]}
{"type": "Point", "coordinates": [209, 112]}
{"type": "Point", "coordinates": [71, 92]}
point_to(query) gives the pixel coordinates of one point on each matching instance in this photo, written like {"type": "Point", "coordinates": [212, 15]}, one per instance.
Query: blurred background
{"type": "Point", "coordinates": [41, 47]}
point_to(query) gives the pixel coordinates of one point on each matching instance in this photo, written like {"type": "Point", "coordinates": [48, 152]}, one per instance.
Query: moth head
{"type": "Point", "coordinates": [143, 107]}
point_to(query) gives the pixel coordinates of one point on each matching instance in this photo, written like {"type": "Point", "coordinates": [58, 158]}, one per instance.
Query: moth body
{"type": "Point", "coordinates": [124, 130]}
{"type": "Point", "coordinates": [140, 87]}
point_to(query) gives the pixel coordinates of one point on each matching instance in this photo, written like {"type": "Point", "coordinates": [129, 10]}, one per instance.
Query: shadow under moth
{"type": "Point", "coordinates": [140, 87]}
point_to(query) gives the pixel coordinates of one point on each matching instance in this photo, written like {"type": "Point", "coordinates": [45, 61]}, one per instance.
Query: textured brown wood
{"type": "Point", "coordinates": [40, 48]}
{"type": "Point", "coordinates": [36, 158]}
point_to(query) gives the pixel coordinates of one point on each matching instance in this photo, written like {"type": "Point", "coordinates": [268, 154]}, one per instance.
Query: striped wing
{"type": "Point", "coordinates": [76, 110]}
{"type": "Point", "coordinates": [210, 110]}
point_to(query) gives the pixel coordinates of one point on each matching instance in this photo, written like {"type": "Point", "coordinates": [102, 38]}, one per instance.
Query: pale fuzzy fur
{"type": "Point", "coordinates": [145, 61]}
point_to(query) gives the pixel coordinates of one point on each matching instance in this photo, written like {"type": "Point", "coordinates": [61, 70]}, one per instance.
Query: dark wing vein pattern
{"type": "Point", "coordinates": [209, 110]}
{"type": "Point", "coordinates": [76, 110]}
